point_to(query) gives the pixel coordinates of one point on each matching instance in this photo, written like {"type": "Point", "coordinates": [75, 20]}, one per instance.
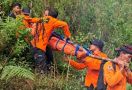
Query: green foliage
{"type": "Point", "coordinates": [129, 87]}
{"type": "Point", "coordinates": [108, 20]}
{"type": "Point", "coordinates": [59, 82]}
{"type": "Point", "coordinates": [9, 72]}
{"type": "Point", "coordinates": [12, 49]}
{"type": "Point", "coordinates": [24, 33]}
{"type": "Point", "coordinates": [8, 32]}
{"type": "Point", "coordinates": [21, 45]}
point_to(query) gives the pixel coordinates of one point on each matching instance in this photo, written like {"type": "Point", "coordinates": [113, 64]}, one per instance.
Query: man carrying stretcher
{"type": "Point", "coordinates": [42, 33]}
{"type": "Point", "coordinates": [117, 75]}
{"type": "Point", "coordinates": [92, 64]}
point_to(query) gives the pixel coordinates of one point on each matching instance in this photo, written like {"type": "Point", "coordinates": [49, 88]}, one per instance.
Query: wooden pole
{"type": "Point", "coordinates": [107, 59]}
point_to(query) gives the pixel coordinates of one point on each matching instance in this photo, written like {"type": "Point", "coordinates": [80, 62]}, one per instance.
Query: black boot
{"type": "Point", "coordinates": [40, 61]}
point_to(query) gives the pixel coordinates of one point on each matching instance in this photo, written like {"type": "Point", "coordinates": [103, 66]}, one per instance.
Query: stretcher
{"type": "Point", "coordinates": [58, 43]}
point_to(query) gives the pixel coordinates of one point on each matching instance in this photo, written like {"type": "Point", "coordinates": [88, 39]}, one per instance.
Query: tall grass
{"type": "Point", "coordinates": [109, 20]}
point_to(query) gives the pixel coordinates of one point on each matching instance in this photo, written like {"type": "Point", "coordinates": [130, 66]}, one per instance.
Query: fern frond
{"type": "Point", "coordinates": [9, 72]}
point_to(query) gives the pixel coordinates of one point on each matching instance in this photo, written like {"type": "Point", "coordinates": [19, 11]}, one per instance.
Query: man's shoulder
{"type": "Point", "coordinates": [102, 54]}
{"type": "Point", "coordinates": [108, 66]}
{"type": "Point", "coordinates": [108, 63]}
{"type": "Point", "coordinates": [51, 19]}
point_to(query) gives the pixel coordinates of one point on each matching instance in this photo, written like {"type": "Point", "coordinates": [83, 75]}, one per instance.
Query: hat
{"type": "Point", "coordinates": [125, 48]}
{"type": "Point", "coordinates": [26, 11]}
{"type": "Point", "coordinates": [16, 4]}
{"type": "Point", "coordinates": [98, 43]}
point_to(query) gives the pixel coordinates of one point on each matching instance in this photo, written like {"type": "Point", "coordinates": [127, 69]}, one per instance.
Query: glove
{"type": "Point", "coordinates": [67, 39]}
{"type": "Point", "coordinates": [89, 52]}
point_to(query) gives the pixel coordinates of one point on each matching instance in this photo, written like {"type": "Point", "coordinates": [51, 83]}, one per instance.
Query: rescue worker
{"type": "Point", "coordinates": [28, 23]}
{"type": "Point", "coordinates": [42, 33]}
{"type": "Point", "coordinates": [92, 65]}
{"type": "Point", "coordinates": [117, 75]}
{"type": "Point", "coordinates": [15, 10]}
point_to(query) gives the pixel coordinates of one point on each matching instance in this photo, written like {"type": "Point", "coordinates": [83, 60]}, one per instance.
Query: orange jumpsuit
{"type": "Point", "coordinates": [116, 80]}
{"type": "Point", "coordinates": [93, 67]}
{"type": "Point", "coordinates": [41, 39]}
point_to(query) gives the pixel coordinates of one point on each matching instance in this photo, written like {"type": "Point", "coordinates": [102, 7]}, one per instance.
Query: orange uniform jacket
{"type": "Point", "coordinates": [27, 23]}
{"type": "Point", "coordinates": [116, 80]}
{"type": "Point", "coordinates": [93, 67]}
{"type": "Point", "coordinates": [28, 20]}
{"type": "Point", "coordinates": [41, 39]}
